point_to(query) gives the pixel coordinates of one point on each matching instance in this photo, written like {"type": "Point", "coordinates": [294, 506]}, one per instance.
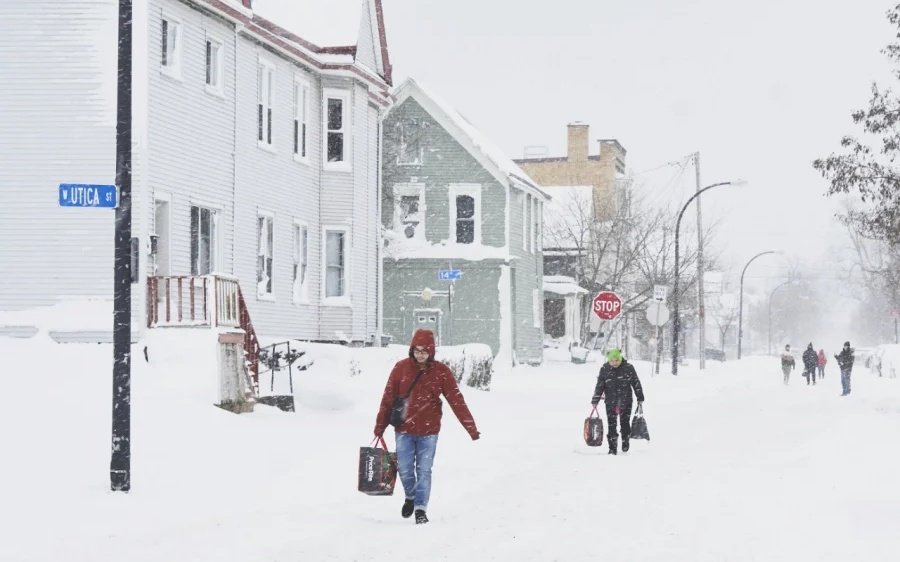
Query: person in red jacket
{"type": "Point", "coordinates": [422, 380]}
{"type": "Point", "coordinates": [821, 363]}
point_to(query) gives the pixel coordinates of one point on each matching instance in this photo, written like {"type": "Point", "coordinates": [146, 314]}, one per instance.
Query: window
{"type": "Point", "coordinates": [466, 208]}
{"type": "Point", "coordinates": [265, 236]}
{"type": "Point", "coordinates": [301, 105]}
{"type": "Point", "coordinates": [204, 240]}
{"type": "Point", "coordinates": [536, 307]}
{"type": "Point", "coordinates": [170, 46]}
{"type": "Point", "coordinates": [266, 96]}
{"type": "Point", "coordinates": [409, 210]}
{"type": "Point", "coordinates": [409, 145]}
{"type": "Point", "coordinates": [214, 65]}
{"type": "Point", "coordinates": [335, 263]}
{"type": "Point", "coordinates": [301, 262]}
{"type": "Point", "coordinates": [337, 129]}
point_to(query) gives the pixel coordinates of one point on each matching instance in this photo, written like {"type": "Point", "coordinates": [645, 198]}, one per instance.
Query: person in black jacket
{"type": "Point", "coordinates": [845, 362]}
{"type": "Point", "coordinates": [616, 379]}
{"type": "Point", "coordinates": [810, 363]}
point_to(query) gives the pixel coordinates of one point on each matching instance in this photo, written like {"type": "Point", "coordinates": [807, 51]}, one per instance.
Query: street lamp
{"type": "Point", "coordinates": [676, 320]}
{"type": "Point", "coordinates": [741, 305]}
{"type": "Point", "coordinates": [771, 295]}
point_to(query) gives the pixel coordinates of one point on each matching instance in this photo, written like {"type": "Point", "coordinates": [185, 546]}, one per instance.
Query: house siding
{"type": "Point", "coordinates": [58, 126]}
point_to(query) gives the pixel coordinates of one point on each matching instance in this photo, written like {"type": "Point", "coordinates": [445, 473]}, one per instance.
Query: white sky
{"type": "Point", "coordinates": [759, 89]}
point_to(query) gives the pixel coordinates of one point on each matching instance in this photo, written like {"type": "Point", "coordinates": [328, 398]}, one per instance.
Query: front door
{"type": "Point", "coordinates": [160, 240]}
{"type": "Point", "coordinates": [428, 319]}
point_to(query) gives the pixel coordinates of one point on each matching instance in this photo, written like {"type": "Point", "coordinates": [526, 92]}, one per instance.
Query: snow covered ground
{"type": "Point", "coordinates": [740, 467]}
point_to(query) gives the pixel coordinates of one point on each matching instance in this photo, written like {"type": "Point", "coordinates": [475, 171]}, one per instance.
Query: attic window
{"type": "Point", "coordinates": [409, 215]}
{"type": "Point", "coordinates": [409, 143]}
{"type": "Point", "coordinates": [465, 219]}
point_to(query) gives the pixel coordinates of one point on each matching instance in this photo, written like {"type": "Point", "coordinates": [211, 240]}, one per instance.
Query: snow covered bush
{"type": "Point", "coordinates": [471, 363]}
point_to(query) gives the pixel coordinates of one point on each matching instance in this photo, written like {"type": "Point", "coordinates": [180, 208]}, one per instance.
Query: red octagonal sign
{"type": "Point", "coordinates": [607, 305]}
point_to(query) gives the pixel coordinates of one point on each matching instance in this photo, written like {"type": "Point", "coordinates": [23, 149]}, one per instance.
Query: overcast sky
{"type": "Point", "coordinates": [759, 89]}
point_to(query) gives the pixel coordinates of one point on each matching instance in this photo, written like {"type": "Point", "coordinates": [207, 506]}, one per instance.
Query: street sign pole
{"type": "Point", "coordinates": [120, 461]}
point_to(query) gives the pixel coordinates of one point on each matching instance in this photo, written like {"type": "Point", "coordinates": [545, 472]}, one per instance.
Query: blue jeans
{"type": "Point", "coordinates": [845, 381]}
{"type": "Point", "coordinates": [415, 455]}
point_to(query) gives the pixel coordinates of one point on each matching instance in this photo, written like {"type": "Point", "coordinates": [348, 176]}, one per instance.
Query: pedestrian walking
{"type": "Point", "coordinates": [422, 381]}
{"type": "Point", "coordinates": [810, 364]}
{"type": "Point", "coordinates": [615, 382]}
{"type": "Point", "coordinates": [787, 363]}
{"type": "Point", "coordinates": [821, 364]}
{"type": "Point", "coordinates": [845, 363]}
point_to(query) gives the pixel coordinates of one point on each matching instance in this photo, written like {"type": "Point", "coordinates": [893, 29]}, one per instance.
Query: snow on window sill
{"type": "Point", "coordinates": [173, 72]}
{"type": "Point", "coordinates": [301, 159]}
{"type": "Point", "coordinates": [343, 301]}
{"type": "Point", "coordinates": [215, 91]}
{"type": "Point", "coordinates": [266, 146]}
{"type": "Point", "coordinates": [343, 167]}
{"type": "Point", "coordinates": [265, 297]}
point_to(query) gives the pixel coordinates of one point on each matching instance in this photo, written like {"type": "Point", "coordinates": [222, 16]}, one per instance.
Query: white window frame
{"type": "Point", "coordinates": [474, 190]}
{"type": "Point", "coordinates": [170, 63]}
{"type": "Point", "coordinates": [538, 225]}
{"type": "Point", "coordinates": [267, 252]}
{"type": "Point", "coordinates": [344, 299]}
{"type": "Point", "coordinates": [217, 88]}
{"type": "Point", "coordinates": [300, 262]}
{"type": "Point", "coordinates": [402, 133]}
{"type": "Point", "coordinates": [265, 97]}
{"type": "Point", "coordinates": [300, 119]}
{"type": "Point", "coordinates": [535, 225]}
{"type": "Point", "coordinates": [409, 190]}
{"type": "Point", "coordinates": [343, 165]}
{"type": "Point", "coordinates": [215, 244]}
{"type": "Point", "coordinates": [536, 307]}
{"type": "Point", "coordinates": [526, 219]}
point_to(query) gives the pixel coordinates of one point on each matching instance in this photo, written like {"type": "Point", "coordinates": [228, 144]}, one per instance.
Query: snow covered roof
{"type": "Point", "coordinates": [562, 285]}
{"type": "Point", "coordinates": [481, 147]}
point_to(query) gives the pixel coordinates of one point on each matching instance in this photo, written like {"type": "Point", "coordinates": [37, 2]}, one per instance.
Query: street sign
{"type": "Point", "coordinates": [657, 313]}
{"type": "Point", "coordinates": [659, 293]}
{"type": "Point", "coordinates": [449, 274]}
{"type": "Point", "coordinates": [606, 305]}
{"type": "Point", "coordinates": [87, 195]}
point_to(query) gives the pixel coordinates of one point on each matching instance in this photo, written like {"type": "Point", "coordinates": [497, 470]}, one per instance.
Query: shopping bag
{"type": "Point", "coordinates": [593, 429]}
{"type": "Point", "coordinates": [639, 424]}
{"type": "Point", "coordinates": [377, 469]}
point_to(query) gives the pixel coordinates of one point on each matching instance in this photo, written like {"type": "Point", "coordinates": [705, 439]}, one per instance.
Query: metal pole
{"type": "Point", "coordinates": [700, 298]}
{"type": "Point", "coordinates": [676, 321]}
{"type": "Point", "coordinates": [741, 305]}
{"type": "Point", "coordinates": [120, 461]}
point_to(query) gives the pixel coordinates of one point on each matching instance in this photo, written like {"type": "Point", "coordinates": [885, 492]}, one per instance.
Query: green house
{"type": "Point", "coordinates": [462, 233]}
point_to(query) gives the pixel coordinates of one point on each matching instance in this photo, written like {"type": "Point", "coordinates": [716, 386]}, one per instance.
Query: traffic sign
{"type": "Point", "coordinates": [606, 305]}
{"type": "Point", "coordinates": [659, 292]}
{"type": "Point", "coordinates": [657, 313]}
{"type": "Point", "coordinates": [87, 195]}
{"type": "Point", "coordinates": [449, 274]}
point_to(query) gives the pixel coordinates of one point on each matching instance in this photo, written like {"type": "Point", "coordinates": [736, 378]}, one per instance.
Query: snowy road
{"type": "Point", "coordinates": [740, 468]}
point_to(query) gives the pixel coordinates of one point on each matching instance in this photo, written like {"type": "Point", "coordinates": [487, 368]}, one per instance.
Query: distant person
{"type": "Point", "coordinates": [821, 364]}
{"type": "Point", "coordinates": [418, 434]}
{"type": "Point", "coordinates": [845, 363]}
{"type": "Point", "coordinates": [810, 364]}
{"type": "Point", "coordinates": [787, 363]}
{"type": "Point", "coordinates": [616, 380]}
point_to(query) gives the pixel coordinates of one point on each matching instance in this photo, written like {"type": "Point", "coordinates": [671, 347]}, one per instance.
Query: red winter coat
{"type": "Point", "coordinates": [423, 415]}
{"type": "Point", "coordinates": [822, 359]}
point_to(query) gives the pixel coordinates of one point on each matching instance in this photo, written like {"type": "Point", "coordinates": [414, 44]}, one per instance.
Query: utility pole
{"type": "Point", "coordinates": [120, 461]}
{"type": "Point", "coordinates": [701, 303]}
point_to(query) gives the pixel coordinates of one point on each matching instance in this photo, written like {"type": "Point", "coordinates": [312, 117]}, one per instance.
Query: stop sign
{"type": "Point", "coordinates": [606, 305]}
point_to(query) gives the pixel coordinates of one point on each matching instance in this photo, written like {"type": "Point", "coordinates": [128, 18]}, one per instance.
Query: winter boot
{"type": "Point", "coordinates": [420, 517]}
{"type": "Point", "coordinates": [625, 444]}
{"type": "Point", "coordinates": [407, 509]}
{"type": "Point", "coordinates": [612, 446]}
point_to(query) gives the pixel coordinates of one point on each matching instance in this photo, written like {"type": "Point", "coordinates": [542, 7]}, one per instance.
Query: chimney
{"type": "Point", "coordinates": [612, 154]}
{"type": "Point", "coordinates": [247, 3]}
{"type": "Point", "coordinates": [578, 142]}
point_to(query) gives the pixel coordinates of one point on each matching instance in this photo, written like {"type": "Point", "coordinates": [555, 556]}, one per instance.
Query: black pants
{"type": "Point", "coordinates": [618, 413]}
{"type": "Point", "coordinates": [810, 372]}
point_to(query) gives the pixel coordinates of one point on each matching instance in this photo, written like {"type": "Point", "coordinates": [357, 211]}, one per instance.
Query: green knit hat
{"type": "Point", "coordinates": [614, 354]}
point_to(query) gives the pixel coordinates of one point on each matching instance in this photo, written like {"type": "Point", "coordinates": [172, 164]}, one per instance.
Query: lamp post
{"type": "Point", "coordinates": [741, 305]}
{"type": "Point", "coordinates": [771, 295]}
{"type": "Point", "coordinates": [676, 320]}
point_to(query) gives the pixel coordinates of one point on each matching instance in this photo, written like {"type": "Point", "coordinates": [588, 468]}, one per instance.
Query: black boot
{"type": "Point", "coordinates": [407, 508]}
{"type": "Point", "coordinates": [625, 445]}
{"type": "Point", "coordinates": [612, 445]}
{"type": "Point", "coordinates": [420, 517]}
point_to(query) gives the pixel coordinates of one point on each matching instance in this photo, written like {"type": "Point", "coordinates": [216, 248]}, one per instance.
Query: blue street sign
{"type": "Point", "coordinates": [87, 195]}
{"type": "Point", "coordinates": [449, 274]}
